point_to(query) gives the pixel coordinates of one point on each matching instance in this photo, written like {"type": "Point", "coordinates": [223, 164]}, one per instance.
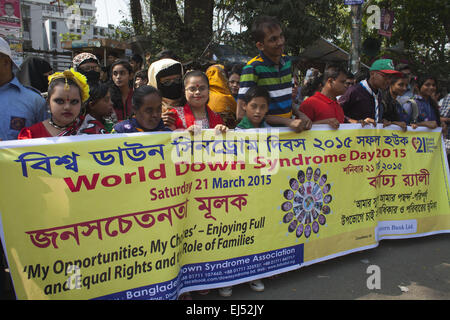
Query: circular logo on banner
{"type": "Point", "coordinates": [307, 202]}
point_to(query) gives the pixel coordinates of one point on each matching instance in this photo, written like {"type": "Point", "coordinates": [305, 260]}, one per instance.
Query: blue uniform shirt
{"type": "Point", "coordinates": [20, 107]}
{"type": "Point", "coordinates": [426, 112]}
{"type": "Point", "coordinates": [131, 126]}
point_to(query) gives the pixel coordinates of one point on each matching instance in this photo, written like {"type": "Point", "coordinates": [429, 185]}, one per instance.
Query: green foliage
{"type": "Point", "coordinates": [423, 28]}
{"type": "Point", "coordinates": [187, 27]}
{"type": "Point", "coordinates": [304, 21]}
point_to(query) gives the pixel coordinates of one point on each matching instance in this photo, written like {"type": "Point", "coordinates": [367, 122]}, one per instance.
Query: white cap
{"type": "Point", "coordinates": [6, 49]}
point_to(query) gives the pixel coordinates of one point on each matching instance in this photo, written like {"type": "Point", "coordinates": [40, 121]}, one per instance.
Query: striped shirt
{"type": "Point", "coordinates": [277, 79]}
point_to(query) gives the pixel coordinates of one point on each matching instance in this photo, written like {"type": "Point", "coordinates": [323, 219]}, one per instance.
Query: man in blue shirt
{"type": "Point", "coordinates": [20, 106]}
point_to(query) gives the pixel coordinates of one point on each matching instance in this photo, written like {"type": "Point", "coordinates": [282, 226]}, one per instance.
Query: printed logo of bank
{"type": "Point", "coordinates": [388, 229]}
{"type": "Point", "coordinates": [307, 203]}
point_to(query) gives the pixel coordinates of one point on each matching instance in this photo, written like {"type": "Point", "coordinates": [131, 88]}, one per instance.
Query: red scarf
{"type": "Point", "coordinates": [185, 117]}
{"type": "Point", "coordinates": [84, 125]}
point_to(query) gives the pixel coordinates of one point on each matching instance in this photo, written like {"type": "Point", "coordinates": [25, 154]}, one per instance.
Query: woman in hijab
{"type": "Point", "coordinates": [221, 100]}
{"type": "Point", "coordinates": [87, 64]}
{"type": "Point", "coordinates": [34, 72]}
{"type": "Point", "coordinates": [166, 75]}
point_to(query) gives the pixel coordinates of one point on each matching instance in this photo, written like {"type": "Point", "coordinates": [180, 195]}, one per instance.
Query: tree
{"type": "Point", "coordinates": [304, 21]}
{"type": "Point", "coordinates": [422, 30]}
{"type": "Point", "coordinates": [188, 26]}
{"type": "Point", "coordinates": [187, 34]}
{"type": "Point", "coordinates": [136, 17]}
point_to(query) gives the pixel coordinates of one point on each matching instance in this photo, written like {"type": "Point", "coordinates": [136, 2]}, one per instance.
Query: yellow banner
{"type": "Point", "coordinates": [150, 216]}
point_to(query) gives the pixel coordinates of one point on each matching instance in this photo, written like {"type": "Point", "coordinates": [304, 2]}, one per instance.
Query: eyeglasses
{"type": "Point", "coordinates": [194, 89]}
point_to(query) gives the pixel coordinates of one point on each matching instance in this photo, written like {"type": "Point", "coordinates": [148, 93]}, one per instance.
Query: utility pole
{"type": "Point", "coordinates": [356, 17]}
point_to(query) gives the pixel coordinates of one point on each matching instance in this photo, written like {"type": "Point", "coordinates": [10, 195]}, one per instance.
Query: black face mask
{"type": "Point", "coordinates": [92, 76]}
{"type": "Point", "coordinates": [173, 91]}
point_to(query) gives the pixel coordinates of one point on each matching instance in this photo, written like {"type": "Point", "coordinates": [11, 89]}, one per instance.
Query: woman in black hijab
{"type": "Point", "coordinates": [34, 73]}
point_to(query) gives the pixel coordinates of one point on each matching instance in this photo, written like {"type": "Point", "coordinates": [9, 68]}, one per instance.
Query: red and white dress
{"type": "Point", "coordinates": [184, 118]}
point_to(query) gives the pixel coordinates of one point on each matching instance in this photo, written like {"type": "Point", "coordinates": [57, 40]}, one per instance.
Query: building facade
{"type": "Point", "coordinates": [47, 23]}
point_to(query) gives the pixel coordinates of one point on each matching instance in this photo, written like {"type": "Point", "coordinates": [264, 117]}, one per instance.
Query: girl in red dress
{"type": "Point", "coordinates": [196, 114]}
{"type": "Point", "coordinates": [66, 93]}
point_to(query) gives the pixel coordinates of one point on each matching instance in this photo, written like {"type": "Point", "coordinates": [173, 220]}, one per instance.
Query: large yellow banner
{"type": "Point", "coordinates": [150, 216]}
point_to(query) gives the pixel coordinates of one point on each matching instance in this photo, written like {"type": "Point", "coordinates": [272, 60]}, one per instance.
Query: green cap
{"type": "Point", "coordinates": [385, 66]}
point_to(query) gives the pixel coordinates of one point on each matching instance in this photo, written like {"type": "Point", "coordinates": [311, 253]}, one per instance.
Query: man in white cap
{"type": "Point", "coordinates": [20, 106]}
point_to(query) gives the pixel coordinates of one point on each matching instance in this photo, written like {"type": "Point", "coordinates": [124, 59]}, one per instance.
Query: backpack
{"type": "Point", "coordinates": [414, 110]}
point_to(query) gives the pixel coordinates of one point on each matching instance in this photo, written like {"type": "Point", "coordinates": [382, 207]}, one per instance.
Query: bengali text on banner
{"type": "Point", "coordinates": [151, 216]}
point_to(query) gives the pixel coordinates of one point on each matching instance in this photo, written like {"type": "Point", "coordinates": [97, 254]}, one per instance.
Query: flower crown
{"type": "Point", "coordinates": [77, 77]}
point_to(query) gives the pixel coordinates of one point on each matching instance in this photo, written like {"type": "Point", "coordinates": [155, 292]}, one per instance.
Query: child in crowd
{"type": "Point", "coordinates": [66, 92]}
{"type": "Point", "coordinates": [234, 79]}
{"type": "Point", "coordinates": [313, 85]}
{"type": "Point", "coordinates": [121, 92]}
{"type": "Point", "coordinates": [393, 112]}
{"type": "Point", "coordinates": [196, 114]}
{"type": "Point", "coordinates": [99, 108]}
{"type": "Point", "coordinates": [256, 106]}
{"type": "Point", "coordinates": [104, 74]}
{"type": "Point", "coordinates": [322, 107]}
{"type": "Point", "coordinates": [422, 110]}
{"type": "Point", "coordinates": [147, 106]}
{"type": "Point", "coordinates": [140, 79]}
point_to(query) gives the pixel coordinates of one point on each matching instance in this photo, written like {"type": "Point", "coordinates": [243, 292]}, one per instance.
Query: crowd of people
{"type": "Point", "coordinates": [87, 99]}
{"type": "Point", "coordinates": [138, 96]}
